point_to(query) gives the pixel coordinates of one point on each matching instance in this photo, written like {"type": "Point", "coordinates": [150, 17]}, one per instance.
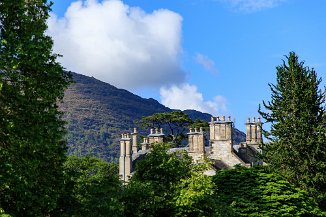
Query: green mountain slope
{"type": "Point", "coordinates": [97, 113]}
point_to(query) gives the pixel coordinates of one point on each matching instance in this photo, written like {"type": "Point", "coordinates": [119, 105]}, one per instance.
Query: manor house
{"type": "Point", "coordinates": [221, 150]}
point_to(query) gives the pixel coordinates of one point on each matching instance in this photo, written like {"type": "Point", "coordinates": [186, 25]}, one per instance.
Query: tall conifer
{"type": "Point", "coordinates": [32, 150]}
{"type": "Point", "coordinates": [297, 147]}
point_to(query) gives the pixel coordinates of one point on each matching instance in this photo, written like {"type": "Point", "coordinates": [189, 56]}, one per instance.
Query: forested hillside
{"type": "Point", "coordinates": [97, 113]}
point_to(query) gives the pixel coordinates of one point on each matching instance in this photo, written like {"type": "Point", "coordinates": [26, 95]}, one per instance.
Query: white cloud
{"type": "Point", "coordinates": [119, 44]}
{"type": "Point", "coordinates": [206, 62]}
{"type": "Point", "coordinates": [186, 96]}
{"type": "Point", "coordinates": [252, 5]}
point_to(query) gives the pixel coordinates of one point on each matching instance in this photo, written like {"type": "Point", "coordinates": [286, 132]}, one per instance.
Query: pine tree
{"type": "Point", "coordinates": [32, 149]}
{"type": "Point", "coordinates": [297, 147]}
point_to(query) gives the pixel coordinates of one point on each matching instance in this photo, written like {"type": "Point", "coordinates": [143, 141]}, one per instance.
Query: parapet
{"type": "Point", "coordinates": [195, 131]}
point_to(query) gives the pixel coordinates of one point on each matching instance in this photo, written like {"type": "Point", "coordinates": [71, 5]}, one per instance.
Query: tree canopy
{"type": "Point", "coordinates": [168, 184]}
{"type": "Point", "coordinates": [32, 149]}
{"type": "Point", "coordinates": [259, 191]}
{"type": "Point", "coordinates": [176, 122]}
{"type": "Point", "coordinates": [92, 188]}
{"type": "Point", "coordinates": [198, 123]}
{"type": "Point", "coordinates": [296, 113]}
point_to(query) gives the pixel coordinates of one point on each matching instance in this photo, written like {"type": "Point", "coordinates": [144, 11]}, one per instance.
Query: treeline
{"type": "Point", "coordinates": [170, 185]}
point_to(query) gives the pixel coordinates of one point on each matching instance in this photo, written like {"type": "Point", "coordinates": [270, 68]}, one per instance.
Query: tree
{"type": "Point", "coordinates": [32, 149]}
{"type": "Point", "coordinates": [259, 192]}
{"type": "Point", "coordinates": [92, 188]}
{"type": "Point", "coordinates": [176, 122]}
{"type": "Point", "coordinates": [162, 168]}
{"type": "Point", "coordinates": [3, 214]}
{"type": "Point", "coordinates": [198, 123]}
{"type": "Point", "coordinates": [297, 136]}
{"type": "Point", "coordinates": [152, 187]}
{"type": "Point", "coordinates": [139, 200]}
{"type": "Point", "coordinates": [168, 184]}
{"type": "Point", "coordinates": [195, 195]}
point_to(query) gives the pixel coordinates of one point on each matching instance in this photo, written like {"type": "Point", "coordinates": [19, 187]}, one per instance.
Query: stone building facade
{"type": "Point", "coordinates": [221, 150]}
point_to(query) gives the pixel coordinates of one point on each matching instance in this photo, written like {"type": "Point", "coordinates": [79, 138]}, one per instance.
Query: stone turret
{"type": "Point", "coordinates": [221, 130]}
{"type": "Point", "coordinates": [156, 137]}
{"type": "Point", "coordinates": [145, 144]}
{"type": "Point", "coordinates": [125, 160]}
{"type": "Point", "coordinates": [254, 132]}
{"type": "Point", "coordinates": [222, 143]}
{"type": "Point", "coordinates": [196, 144]}
{"type": "Point", "coordinates": [134, 142]}
{"type": "Point", "coordinates": [254, 139]}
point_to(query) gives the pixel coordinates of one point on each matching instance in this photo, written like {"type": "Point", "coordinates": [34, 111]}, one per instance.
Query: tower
{"type": "Point", "coordinates": [156, 137]}
{"type": "Point", "coordinates": [221, 130]}
{"type": "Point", "coordinates": [125, 160]}
{"type": "Point", "coordinates": [254, 139]}
{"type": "Point", "coordinates": [254, 132]}
{"type": "Point", "coordinates": [134, 142]}
{"type": "Point", "coordinates": [222, 142]}
{"type": "Point", "coordinates": [196, 144]}
{"type": "Point", "coordinates": [145, 145]}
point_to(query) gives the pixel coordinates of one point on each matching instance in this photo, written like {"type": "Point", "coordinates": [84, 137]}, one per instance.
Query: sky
{"type": "Point", "coordinates": [215, 56]}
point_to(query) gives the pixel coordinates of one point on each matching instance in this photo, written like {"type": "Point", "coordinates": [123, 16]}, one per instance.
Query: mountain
{"type": "Point", "coordinates": [97, 113]}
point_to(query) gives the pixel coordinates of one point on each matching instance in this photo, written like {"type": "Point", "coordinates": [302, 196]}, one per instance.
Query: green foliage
{"type": "Point", "coordinates": [194, 195]}
{"type": "Point", "coordinates": [198, 123]}
{"type": "Point", "coordinates": [176, 122]}
{"type": "Point", "coordinates": [3, 214]}
{"type": "Point", "coordinates": [161, 168]}
{"type": "Point", "coordinates": [154, 182]}
{"type": "Point", "coordinates": [168, 184]}
{"type": "Point", "coordinates": [32, 150]}
{"type": "Point", "coordinates": [92, 188]}
{"type": "Point", "coordinates": [143, 199]}
{"type": "Point", "coordinates": [258, 191]}
{"type": "Point", "coordinates": [298, 132]}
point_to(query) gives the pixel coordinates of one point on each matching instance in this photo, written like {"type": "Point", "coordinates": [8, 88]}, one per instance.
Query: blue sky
{"type": "Point", "coordinates": [217, 56]}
